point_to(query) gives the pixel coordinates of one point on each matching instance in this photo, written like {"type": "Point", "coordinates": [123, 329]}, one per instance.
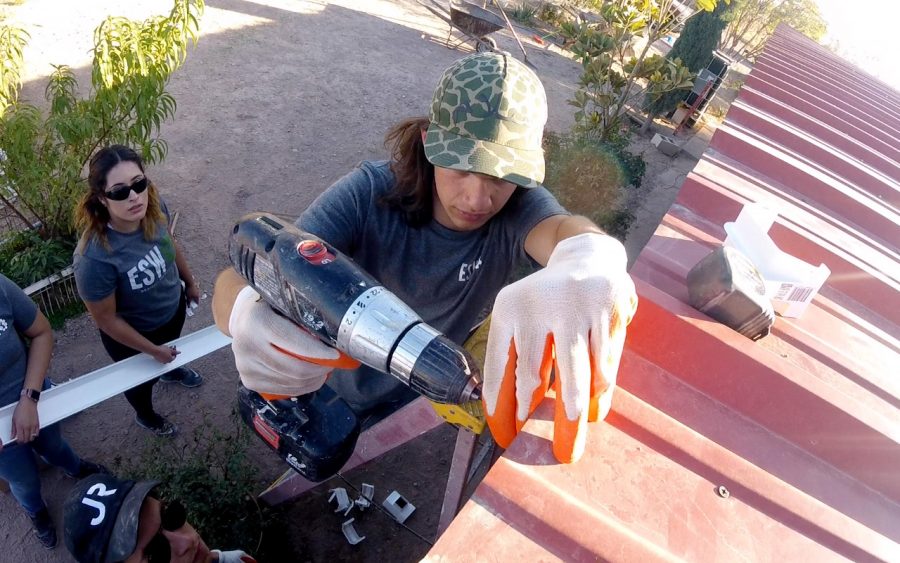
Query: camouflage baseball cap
{"type": "Point", "coordinates": [488, 116]}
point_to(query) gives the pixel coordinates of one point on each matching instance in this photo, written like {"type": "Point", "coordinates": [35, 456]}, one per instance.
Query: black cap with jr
{"type": "Point", "coordinates": [101, 517]}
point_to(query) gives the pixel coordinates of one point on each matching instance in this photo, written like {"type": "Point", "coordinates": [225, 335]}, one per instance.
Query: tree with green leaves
{"type": "Point", "coordinates": [751, 22]}
{"type": "Point", "coordinates": [42, 154]}
{"type": "Point", "coordinates": [613, 77]}
{"type": "Point", "coordinates": [694, 48]}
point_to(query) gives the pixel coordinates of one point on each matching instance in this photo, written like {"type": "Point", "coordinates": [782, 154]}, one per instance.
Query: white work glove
{"type": "Point", "coordinates": [273, 355]}
{"type": "Point", "coordinates": [234, 556]}
{"type": "Point", "coordinates": [570, 316]}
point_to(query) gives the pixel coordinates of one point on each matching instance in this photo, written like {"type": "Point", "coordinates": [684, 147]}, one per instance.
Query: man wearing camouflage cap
{"type": "Point", "coordinates": [455, 213]}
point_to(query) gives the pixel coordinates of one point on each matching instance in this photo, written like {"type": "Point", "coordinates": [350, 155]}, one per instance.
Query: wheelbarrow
{"type": "Point", "coordinates": [474, 22]}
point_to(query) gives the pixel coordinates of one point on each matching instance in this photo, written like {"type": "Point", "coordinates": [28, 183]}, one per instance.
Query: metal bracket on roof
{"type": "Point", "coordinates": [77, 394]}
{"type": "Point", "coordinates": [398, 507]}
{"type": "Point", "coordinates": [343, 500]}
{"type": "Point", "coordinates": [365, 498]}
{"type": "Point", "coordinates": [350, 532]}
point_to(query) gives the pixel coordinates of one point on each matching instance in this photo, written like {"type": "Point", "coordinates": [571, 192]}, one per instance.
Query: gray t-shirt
{"type": "Point", "coordinates": [141, 273]}
{"type": "Point", "coordinates": [450, 278]}
{"type": "Point", "coordinates": [17, 314]}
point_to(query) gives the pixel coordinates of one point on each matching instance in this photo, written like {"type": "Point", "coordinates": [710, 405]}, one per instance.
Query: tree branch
{"type": "Point", "coordinates": [15, 210]}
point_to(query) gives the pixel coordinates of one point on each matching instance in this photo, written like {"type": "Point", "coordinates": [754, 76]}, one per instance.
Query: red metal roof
{"type": "Point", "coordinates": [803, 426]}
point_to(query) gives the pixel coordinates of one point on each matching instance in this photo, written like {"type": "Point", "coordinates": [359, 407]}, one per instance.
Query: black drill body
{"type": "Point", "coordinates": [320, 289]}
{"type": "Point", "coordinates": [308, 281]}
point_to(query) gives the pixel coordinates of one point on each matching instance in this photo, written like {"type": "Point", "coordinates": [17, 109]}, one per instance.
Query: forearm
{"type": "Point", "coordinates": [574, 225]}
{"type": "Point", "coordinates": [228, 285]}
{"type": "Point", "coordinates": [123, 333]}
{"type": "Point", "coordinates": [38, 360]}
{"type": "Point", "coordinates": [544, 237]}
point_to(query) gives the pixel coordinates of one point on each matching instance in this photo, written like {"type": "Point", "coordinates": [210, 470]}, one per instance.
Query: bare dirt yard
{"type": "Point", "coordinates": [279, 99]}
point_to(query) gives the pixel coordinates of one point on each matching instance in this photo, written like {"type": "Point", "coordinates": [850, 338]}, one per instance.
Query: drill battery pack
{"type": "Point", "coordinates": [727, 286]}
{"type": "Point", "coordinates": [315, 433]}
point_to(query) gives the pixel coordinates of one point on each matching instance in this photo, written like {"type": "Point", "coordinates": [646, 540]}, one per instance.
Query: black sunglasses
{"type": "Point", "coordinates": [120, 193]}
{"type": "Point", "coordinates": [173, 517]}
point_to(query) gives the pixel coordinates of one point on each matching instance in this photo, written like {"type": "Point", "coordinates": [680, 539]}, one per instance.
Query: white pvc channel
{"type": "Point", "coordinates": [75, 395]}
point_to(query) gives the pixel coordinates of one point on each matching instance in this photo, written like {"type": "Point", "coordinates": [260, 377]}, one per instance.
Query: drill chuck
{"type": "Point", "coordinates": [425, 357]}
{"type": "Point", "coordinates": [317, 287]}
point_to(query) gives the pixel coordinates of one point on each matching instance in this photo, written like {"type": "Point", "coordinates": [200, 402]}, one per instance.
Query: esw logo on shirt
{"type": "Point", "coordinates": [148, 270]}
{"type": "Point", "coordinates": [466, 271]}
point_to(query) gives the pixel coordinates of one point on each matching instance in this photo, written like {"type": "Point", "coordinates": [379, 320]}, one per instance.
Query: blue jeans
{"type": "Point", "coordinates": [19, 468]}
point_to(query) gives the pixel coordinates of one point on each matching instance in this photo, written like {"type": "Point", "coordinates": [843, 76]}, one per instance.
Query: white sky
{"type": "Point", "coordinates": [866, 31]}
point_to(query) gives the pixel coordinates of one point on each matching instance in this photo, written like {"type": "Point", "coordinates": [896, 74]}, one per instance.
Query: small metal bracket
{"type": "Point", "coordinates": [366, 496]}
{"type": "Point", "coordinates": [343, 500]}
{"type": "Point", "coordinates": [350, 532]}
{"type": "Point", "coordinates": [398, 507]}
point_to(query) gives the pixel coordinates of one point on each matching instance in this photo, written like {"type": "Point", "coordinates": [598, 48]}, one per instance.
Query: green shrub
{"type": "Point", "coordinates": [46, 151]}
{"type": "Point", "coordinates": [212, 475]}
{"type": "Point", "coordinates": [551, 14]}
{"type": "Point", "coordinates": [26, 258]}
{"type": "Point", "coordinates": [594, 5]}
{"type": "Point", "coordinates": [591, 178]}
{"type": "Point", "coordinates": [633, 166]}
{"type": "Point", "coordinates": [60, 315]}
{"type": "Point", "coordinates": [523, 13]}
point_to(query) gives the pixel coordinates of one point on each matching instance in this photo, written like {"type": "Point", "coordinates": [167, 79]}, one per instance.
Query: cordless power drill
{"type": "Point", "coordinates": [308, 281]}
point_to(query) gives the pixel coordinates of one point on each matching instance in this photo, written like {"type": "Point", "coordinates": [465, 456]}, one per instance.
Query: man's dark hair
{"type": "Point", "coordinates": [414, 175]}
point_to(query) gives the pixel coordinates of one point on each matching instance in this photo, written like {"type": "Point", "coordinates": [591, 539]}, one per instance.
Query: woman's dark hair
{"type": "Point", "coordinates": [91, 216]}
{"type": "Point", "coordinates": [414, 175]}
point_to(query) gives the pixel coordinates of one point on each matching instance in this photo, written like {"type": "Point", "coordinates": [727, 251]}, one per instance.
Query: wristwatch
{"type": "Point", "coordinates": [32, 394]}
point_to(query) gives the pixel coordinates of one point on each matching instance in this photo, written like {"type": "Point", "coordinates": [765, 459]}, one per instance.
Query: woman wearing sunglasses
{"type": "Point", "coordinates": [129, 271]}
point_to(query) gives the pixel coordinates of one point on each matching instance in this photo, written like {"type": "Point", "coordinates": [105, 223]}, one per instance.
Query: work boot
{"type": "Point", "coordinates": [158, 425]}
{"type": "Point", "coordinates": [185, 376]}
{"type": "Point", "coordinates": [43, 529]}
{"type": "Point", "coordinates": [89, 468]}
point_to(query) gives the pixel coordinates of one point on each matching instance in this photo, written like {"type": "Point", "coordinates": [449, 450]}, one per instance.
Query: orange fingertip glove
{"type": "Point", "coordinates": [568, 319]}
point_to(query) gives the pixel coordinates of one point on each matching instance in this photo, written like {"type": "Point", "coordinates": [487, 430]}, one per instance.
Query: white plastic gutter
{"type": "Point", "coordinates": [75, 395]}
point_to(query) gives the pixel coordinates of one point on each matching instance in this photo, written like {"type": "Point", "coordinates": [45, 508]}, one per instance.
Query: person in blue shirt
{"type": "Point", "coordinates": [26, 341]}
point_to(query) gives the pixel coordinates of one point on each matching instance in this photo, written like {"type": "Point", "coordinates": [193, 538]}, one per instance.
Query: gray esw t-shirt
{"type": "Point", "coordinates": [450, 278]}
{"type": "Point", "coordinates": [141, 273]}
{"type": "Point", "coordinates": [17, 314]}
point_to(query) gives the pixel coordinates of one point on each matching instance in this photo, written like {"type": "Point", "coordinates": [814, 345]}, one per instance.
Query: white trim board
{"type": "Point", "coordinates": [77, 394]}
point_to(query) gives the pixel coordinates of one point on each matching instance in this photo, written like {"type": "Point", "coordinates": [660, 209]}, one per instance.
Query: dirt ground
{"type": "Point", "coordinates": [279, 99]}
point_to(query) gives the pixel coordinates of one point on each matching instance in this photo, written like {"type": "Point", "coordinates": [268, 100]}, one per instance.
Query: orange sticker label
{"type": "Point", "coordinates": [266, 432]}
